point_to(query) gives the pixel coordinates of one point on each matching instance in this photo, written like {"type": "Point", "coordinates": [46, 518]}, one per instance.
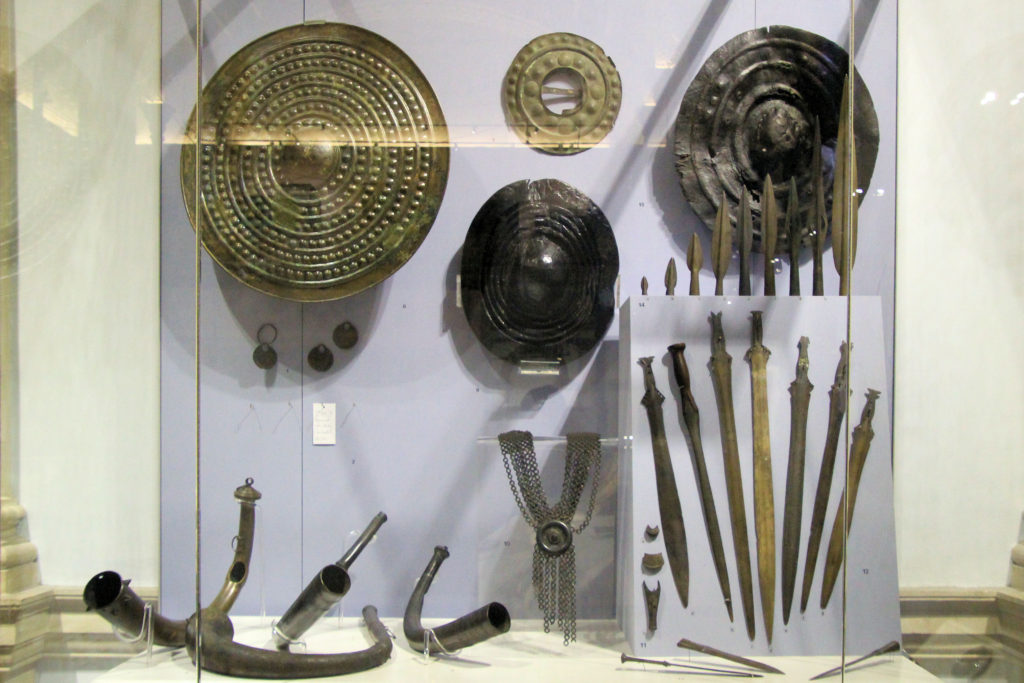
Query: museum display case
{"type": "Point", "coordinates": [351, 336]}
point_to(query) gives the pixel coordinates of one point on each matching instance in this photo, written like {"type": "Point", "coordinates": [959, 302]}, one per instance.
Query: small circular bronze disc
{"type": "Point", "coordinates": [554, 537]}
{"type": "Point", "coordinates": [320, 358]}
{"type": "Point", "coordinates": [562, 93]}
{"type": "Point", "coordinates": [324, 159]}
{"type": "Point", "coordinates": [750, 112]}
{"type": "Point", "coordinates": [345, 335]}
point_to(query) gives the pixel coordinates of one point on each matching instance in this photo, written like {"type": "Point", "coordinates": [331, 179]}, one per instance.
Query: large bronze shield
{"type": "Point", "coordinates": [324, 157]}
{"type": "Point", "coordinates": [750, 113]}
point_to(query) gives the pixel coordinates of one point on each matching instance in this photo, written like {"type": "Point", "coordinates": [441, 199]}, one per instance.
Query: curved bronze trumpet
{"type": "Point", "coordinates": [324, 591]}
{"type": "Point", "coordinates": [477, 626]}
{"type": "Point", "coordinates": [112, 598]}
{"type": "Point", "coordinates": [219, 653]}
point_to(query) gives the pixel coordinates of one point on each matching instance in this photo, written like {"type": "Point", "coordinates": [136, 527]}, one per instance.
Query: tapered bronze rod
{"type": "Point", "coordinates": [721, 379]}
{"type": "Point", "coordinates": [862, 435]}
{"type": "Point", "coordinates": [721, 245]}
{"type": "Point", "coordinates": [769, 234]}
{"type": "Point", "coordinates": [671, 277]}
{"type": "Point", "coordinates": [891, 646]}
{"type": "Point", "coordinates": [694, 262]}
{"type": "Point", "coordinates": [799, 400]}
{"type": "Point", "coordinates": [669, 507]}
{"type": "Point", "coordinates": [691, 423]}
{"type": "Point", "coordinates": [708, 650]}
{"type": "Point", "coordinates": [746, 241]}
{"type": "Point", "coordinates": [692, 668]}
{"type": "Point", "coordinates": [764, 499]}
{"type": "Point", "coordinates": [836, 410]}
{"type": "Point", "coordinates": [817, 224]}
{"type": "Point", "coordinates": [794, 237]}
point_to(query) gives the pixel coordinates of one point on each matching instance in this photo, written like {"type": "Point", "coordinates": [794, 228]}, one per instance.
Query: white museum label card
{"type": "Point", "coordinates": [323, 424]}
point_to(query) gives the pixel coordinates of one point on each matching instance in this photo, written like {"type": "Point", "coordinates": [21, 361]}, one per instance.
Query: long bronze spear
{"type": "Point", "coordinates": [721, 246]}
{"type": "Point", "coordinates": [694, 262]}
{"type": "Point", "coordinates": [769, 234]}
{"type": "Point", "coordinates": [794, 237]}
{"type": "Point", "coordinates": [691, 421]}
{"type": "Point", "coordinates": [799, 399]}
{"type": "Point", "coordinates": [764, 500]}
{"type": "Point", "coordinates": [721, 379]}
{"type": "Point", "coordinates": [816, 222]}
{"type": "Point", "coordinates": [669, 507]}
{"type": "Point", "coordinates": [746, 240]}
{"type": "Point", "coordinates": [862, 435]}
{"type": "Point", "coordinates": [844, 199]}
{"type": "Point", "coordinates": [836, 410]}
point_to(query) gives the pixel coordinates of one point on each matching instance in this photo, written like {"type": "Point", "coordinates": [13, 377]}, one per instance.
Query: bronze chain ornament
{"type": "Point", "coordinates": [554, 557]}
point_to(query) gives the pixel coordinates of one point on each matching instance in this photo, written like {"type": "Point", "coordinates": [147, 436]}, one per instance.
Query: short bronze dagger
{"type": "Point", "coordinates": [817, 224]}
{"type": "Point", "coordinates": [836, 410]}
{"type": "Point", "coordinates": [721, 379]}
{"type": "Point", "coordinates": [769, 234]}
{"type": "Point", "coordinates": [764, 500]}
{"type": "Point", "coordinates": [799, 399]}
{"type": "Point", "coordinates": [691, 421]}
{"type": "Point", "coordinates": [694, 262]}
{"type": "Point", "coordinates": [862, 435]}
{"type": "Point", "coordinates": [721, 245]}
{"type": "Point", "coordinates": [794, 237]}
{"type": "Point", "coordinates": [746, 224]}
{"type": "Point", "coordinates": [669, 507]}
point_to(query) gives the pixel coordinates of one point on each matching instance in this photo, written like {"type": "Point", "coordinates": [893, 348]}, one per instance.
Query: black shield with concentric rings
{"type": "Point", "coordinates": [323, 160]}
{"type": "Point", "coordinates": [538, 272]}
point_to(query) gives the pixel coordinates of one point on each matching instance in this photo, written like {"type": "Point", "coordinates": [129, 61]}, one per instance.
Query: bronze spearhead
{"type": "Point", "coordinates": [721, 245]}
{"type": "Point", "coordinates": [721, 379]}
{"type": "Point", "coordinates": [691, 423]}
{"type": "Point", "coordinates": [794, 237]}
{"type": "Point", "coordinates": [836, 411]}
{"type": "Point", "coordinates": [862, 436]}
{"type": "Point", "coordinates": [844, 197]}
{"type": "Point", "coordinates": [671, 278]}
{"type": "Point", "coordinates": [746, 241]}
{"type": "Point", "coordinates": [817, 223]}
{"type": "Point", "coordinates": [769, 234]}
{"type": "Point", "coordinates": [643, 286]}
{"type": "Point", "coordinates": [799, 400]}
{"type": "Point", "coordinates": [764, 501]}
{"type": "Point", "coordinates": [694, 262]}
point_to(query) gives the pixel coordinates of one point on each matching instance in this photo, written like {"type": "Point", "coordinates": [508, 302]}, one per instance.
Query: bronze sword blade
{"type": "Point", "coordinates": [721, 378]}
{"type": "Point", "coordinates": [764, 500]}
{"type": "Point", "coordinates": [669, 507]}
{"type": "Point", "coordinates": [862, 435]}
{"type": "Point", "coordinates": [836, 410]}
{"type": "Point", "coordinates": [799, 400]}
{"type": "Point", "coordinates": [691, 421]}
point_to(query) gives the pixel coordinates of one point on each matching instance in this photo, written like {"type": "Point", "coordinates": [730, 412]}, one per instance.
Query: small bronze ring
{"type": "Point", "coordinates": [272, 330]}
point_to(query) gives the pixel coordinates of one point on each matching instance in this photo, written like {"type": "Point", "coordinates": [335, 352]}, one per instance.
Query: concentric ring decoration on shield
{"type": "Point", "coordinates": [750, 112]}
{"type": "Point", "coordinates": [324, 158]}
{"type": "Point", "coordinates": [538, 273]}
{"type": "Point", "coordinates": [562, 94]}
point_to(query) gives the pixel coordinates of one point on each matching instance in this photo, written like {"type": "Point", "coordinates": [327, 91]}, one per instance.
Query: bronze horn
{"type": "Point", "coordinates": [324, 591]}
{"type": "Point", "coordinates": [246, 496]}
{"type": "Point", "coordinates": [114, 600]}
{"type": "Point", "coordinates": [477, 626]}
{"type": "Point", "coordinates": [219, 653]}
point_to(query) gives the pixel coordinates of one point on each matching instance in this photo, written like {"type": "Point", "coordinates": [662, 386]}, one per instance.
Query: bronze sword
{"type": "Point", "coordinates": [764, 502]}
{"type": "Point", "coordinates": [746, 240]}
{"type": "Point", "coordinates": [816, 216]}
{"type": "Point", "coordinates": [691, 420]}
{"type": "Point", "coordinates": [799, 399]}
{"type": "Point", "coordinates": [836, 410]}
{"type": "Point", "coordinates": [721, 379]}
{"type": "Point", "coordinates": [862, 435]}
{"type": "Point", "coordinates": [769, 234]}
{"type": "Point", "coordinates": [669, 507]}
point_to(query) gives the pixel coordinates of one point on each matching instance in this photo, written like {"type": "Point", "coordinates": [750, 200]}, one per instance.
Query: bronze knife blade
{"type": "Point", "coordinates": [799, 400]}
{"type": "Point", "coordinates": [721, 378]}
{"type": "Point", "coordinates": [764, 500]}
{"type": "Point", "coordinates": [861, 443]}
{"type": "Point", "coordinates": [691, 422]}
{"type": "Point", "coordinates": [836, 410]}
{"type": "Point", "coordinates": [669, 507]}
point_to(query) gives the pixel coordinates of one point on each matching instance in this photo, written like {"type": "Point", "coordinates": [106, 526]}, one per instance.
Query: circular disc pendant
{"type": "Point", "coordinates": [562, 93]}
{"type": "Point", "coordinates": [554, 537]}
{"type": "Point", "coordinates": [324, 157]}
{"type": "Point", "coordinates": [750, 112]}
{"type": "Point", "coordinates": [538, 272]}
